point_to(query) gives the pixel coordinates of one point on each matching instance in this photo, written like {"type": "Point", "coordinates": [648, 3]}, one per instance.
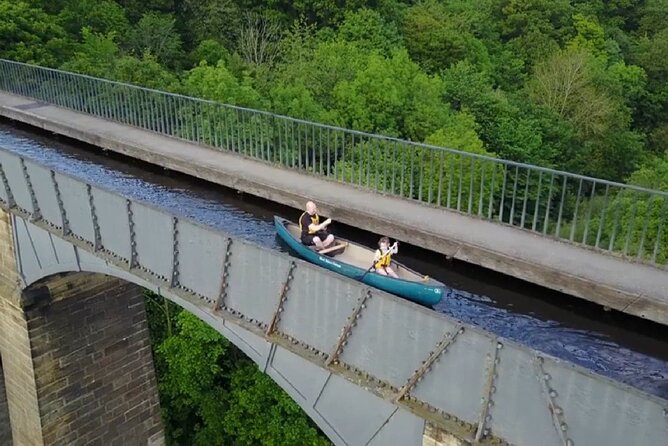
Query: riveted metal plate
{"type": "Point", "coordinates": [11, 165]}
{"type": "Point", "coordinates": [318, 307]}
{"type": "Point", "coordinates": [112, 218]}
{"type": "Point", "coordinates": [390, 327]}
{"type": "Point", "coordinates": [248, 265]}
{"type": "Point", "coordinates": [153, 234]}
{"type": "Point", "coordinates": [42, 184]}
{"type": "Point", "coordinates": [201, 253]}
{"type": "Point", "coordinates": [520, 414]}
{"type": "Point", "coordinates": [77, 208]}
{"type": "Point", "coordinates": [456, 380]}
{"type": "Point", "coordinates": [598, 411]}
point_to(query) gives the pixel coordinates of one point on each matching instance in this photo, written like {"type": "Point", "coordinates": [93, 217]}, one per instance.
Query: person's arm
{"type": "Point", "coordinates": [322, 225]}
{"type": "Point", "coordinates": [377, 255]}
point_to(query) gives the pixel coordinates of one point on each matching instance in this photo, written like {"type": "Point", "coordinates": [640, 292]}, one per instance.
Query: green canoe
{"type": "Point", "coordinates": [353, 260]}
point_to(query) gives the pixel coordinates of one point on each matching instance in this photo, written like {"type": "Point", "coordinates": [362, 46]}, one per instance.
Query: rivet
{"type": "Point", "coordinates": [553, 394]}
{"type": "Point", "coordinates": [564, 427]}
{"type": "Point", "coordinates": [499, 346]}
{"type": "Point", "coordinates": [569, 442]}
{"type": "Point", "coordinates": [546, 377]}
{"type": "Point", "coordinates": [558, 410]}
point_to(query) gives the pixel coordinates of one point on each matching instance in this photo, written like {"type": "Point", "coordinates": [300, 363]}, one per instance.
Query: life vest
{"type": "Point", "coordinates": [315, 220]}
{"type": "Point", "coordinates": [385, 260]}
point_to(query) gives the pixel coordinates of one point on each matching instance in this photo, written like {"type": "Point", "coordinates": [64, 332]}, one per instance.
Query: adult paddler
{"type": "Point", "coordinates": [313, 231]}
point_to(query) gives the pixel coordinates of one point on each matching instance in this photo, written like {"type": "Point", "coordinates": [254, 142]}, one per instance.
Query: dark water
{"type": "Point", "coordinates": [615, 345]}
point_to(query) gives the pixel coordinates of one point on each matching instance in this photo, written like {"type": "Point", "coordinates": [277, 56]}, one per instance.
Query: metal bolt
{"type": "Point", "coordinates": [546, 377]}
{"type": "Point", "coordinates": [564, 427]}
{"type": "Point", "coordinates": [569, 442]}
{"type": "Point", "coordinates": [499, 346]}
{"type": "Point", "coordinates": [553, 394]}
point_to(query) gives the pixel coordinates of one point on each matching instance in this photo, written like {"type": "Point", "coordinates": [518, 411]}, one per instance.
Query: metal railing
{"type": "Point", "coordinates": [604, 215]}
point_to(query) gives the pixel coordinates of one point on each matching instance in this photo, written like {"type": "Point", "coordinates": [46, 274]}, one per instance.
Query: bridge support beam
{"type": "Point", "coordinates": [76, 359]}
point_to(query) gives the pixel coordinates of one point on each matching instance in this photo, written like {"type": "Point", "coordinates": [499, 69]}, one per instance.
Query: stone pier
{"type": "Point", "coordinates": [76, 359]}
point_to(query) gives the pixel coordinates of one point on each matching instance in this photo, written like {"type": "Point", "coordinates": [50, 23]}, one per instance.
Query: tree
{"type": "Point", "coordinates": [211, 393]}
{"type": "Point", "coordinates": [219, 20]}
{"type": "Point", "coordinates": [156, 33]}
{"type": "Point", "coordinates": [28, 34]}
{"type": "Point", "coordinates": [193, 382]}
{"type": "Point", "coordinates": [262, 413]}
{"type": "Point", "coordinates": [95, 56]}
{"type": "Point", "coordinates": [535, 28]}
{"type": "Point", "coordinates": [146, 72]}
{"type": "Point", "coordinates": [564, 84]}
{"type": "Point", "coordinates": [436, 41]}
{"type": "Point", "coordinates": [258, 40]}
{"type": "Point", "coordinates": [392, 96]}
{"type": "Point", "coordinates": [99, 16]}
{"type": "Point", "coordinates": [217, 83]}
{"type": "Point", "coordinates": [368, 30]}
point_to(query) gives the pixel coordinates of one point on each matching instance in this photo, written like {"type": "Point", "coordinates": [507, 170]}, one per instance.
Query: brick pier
{"type": "Point", "coordinates": [76, 360]}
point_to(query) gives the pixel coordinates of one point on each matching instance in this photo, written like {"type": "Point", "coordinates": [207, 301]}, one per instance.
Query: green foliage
{"type": "Point", "coordinates": [218, 20]}
{"type": "Point", "coordinates": [211, 52]}
{"type": "Point", "coordinates": [435, 176]}
{"type": "Point", "coordinates": [264, 414]}
{"type": "Point", "coordinates": [100, 16]}
{"type": "Point", "coordinates": [437, 41]}
{"type": "Point", "coordinates": [95, 56]}
{"type": "Point", "coordinates": [156, 33]}
{"type": "Point", "coordinates": [213, 394]}
{"type": "Point", "coordinates": [146, 72]}
{"type": "Point", "coordinates": [217, 83]}
{"type": "Point", "coordinates": [30, 35]}
{"type": "Point", "coordinates": [392, 96]}
{"type": "Point", "coordinates": [370, 31]}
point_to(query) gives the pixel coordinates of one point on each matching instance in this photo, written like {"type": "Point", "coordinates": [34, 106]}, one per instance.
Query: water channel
{"type": "Point", "coordinates": [616, 345]}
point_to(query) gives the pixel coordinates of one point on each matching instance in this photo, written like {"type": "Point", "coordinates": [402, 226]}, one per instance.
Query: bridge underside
{"type": "Point", "coordinates": [584, 273]}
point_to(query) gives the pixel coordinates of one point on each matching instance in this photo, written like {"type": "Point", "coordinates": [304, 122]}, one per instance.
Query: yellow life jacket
{"type": "Point", "coordinates": [385, 260]}
{"type": "Point", "coordinates": [315, 220]}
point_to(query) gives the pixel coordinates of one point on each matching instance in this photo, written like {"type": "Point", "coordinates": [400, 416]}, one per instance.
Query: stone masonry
{"type": "Point", "coordinates": [5, 427]}
{"type": "Point", "coordinates": [76, 359]}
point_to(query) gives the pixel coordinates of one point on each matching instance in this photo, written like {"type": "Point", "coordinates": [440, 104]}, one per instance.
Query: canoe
{"type": "Point", "coordinates": [353, 260]}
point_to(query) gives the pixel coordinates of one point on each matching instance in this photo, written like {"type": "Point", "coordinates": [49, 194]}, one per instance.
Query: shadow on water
{"type": "Point", "coordinates": [613, 344]}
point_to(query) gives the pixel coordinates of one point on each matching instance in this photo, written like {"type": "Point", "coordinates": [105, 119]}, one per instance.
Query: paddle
{"type": "Point", "coordinates": [389, 251]}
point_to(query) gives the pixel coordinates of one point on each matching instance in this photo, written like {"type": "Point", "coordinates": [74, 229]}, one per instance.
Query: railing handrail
{"type": "Point", "coordinates": [364, 134]}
